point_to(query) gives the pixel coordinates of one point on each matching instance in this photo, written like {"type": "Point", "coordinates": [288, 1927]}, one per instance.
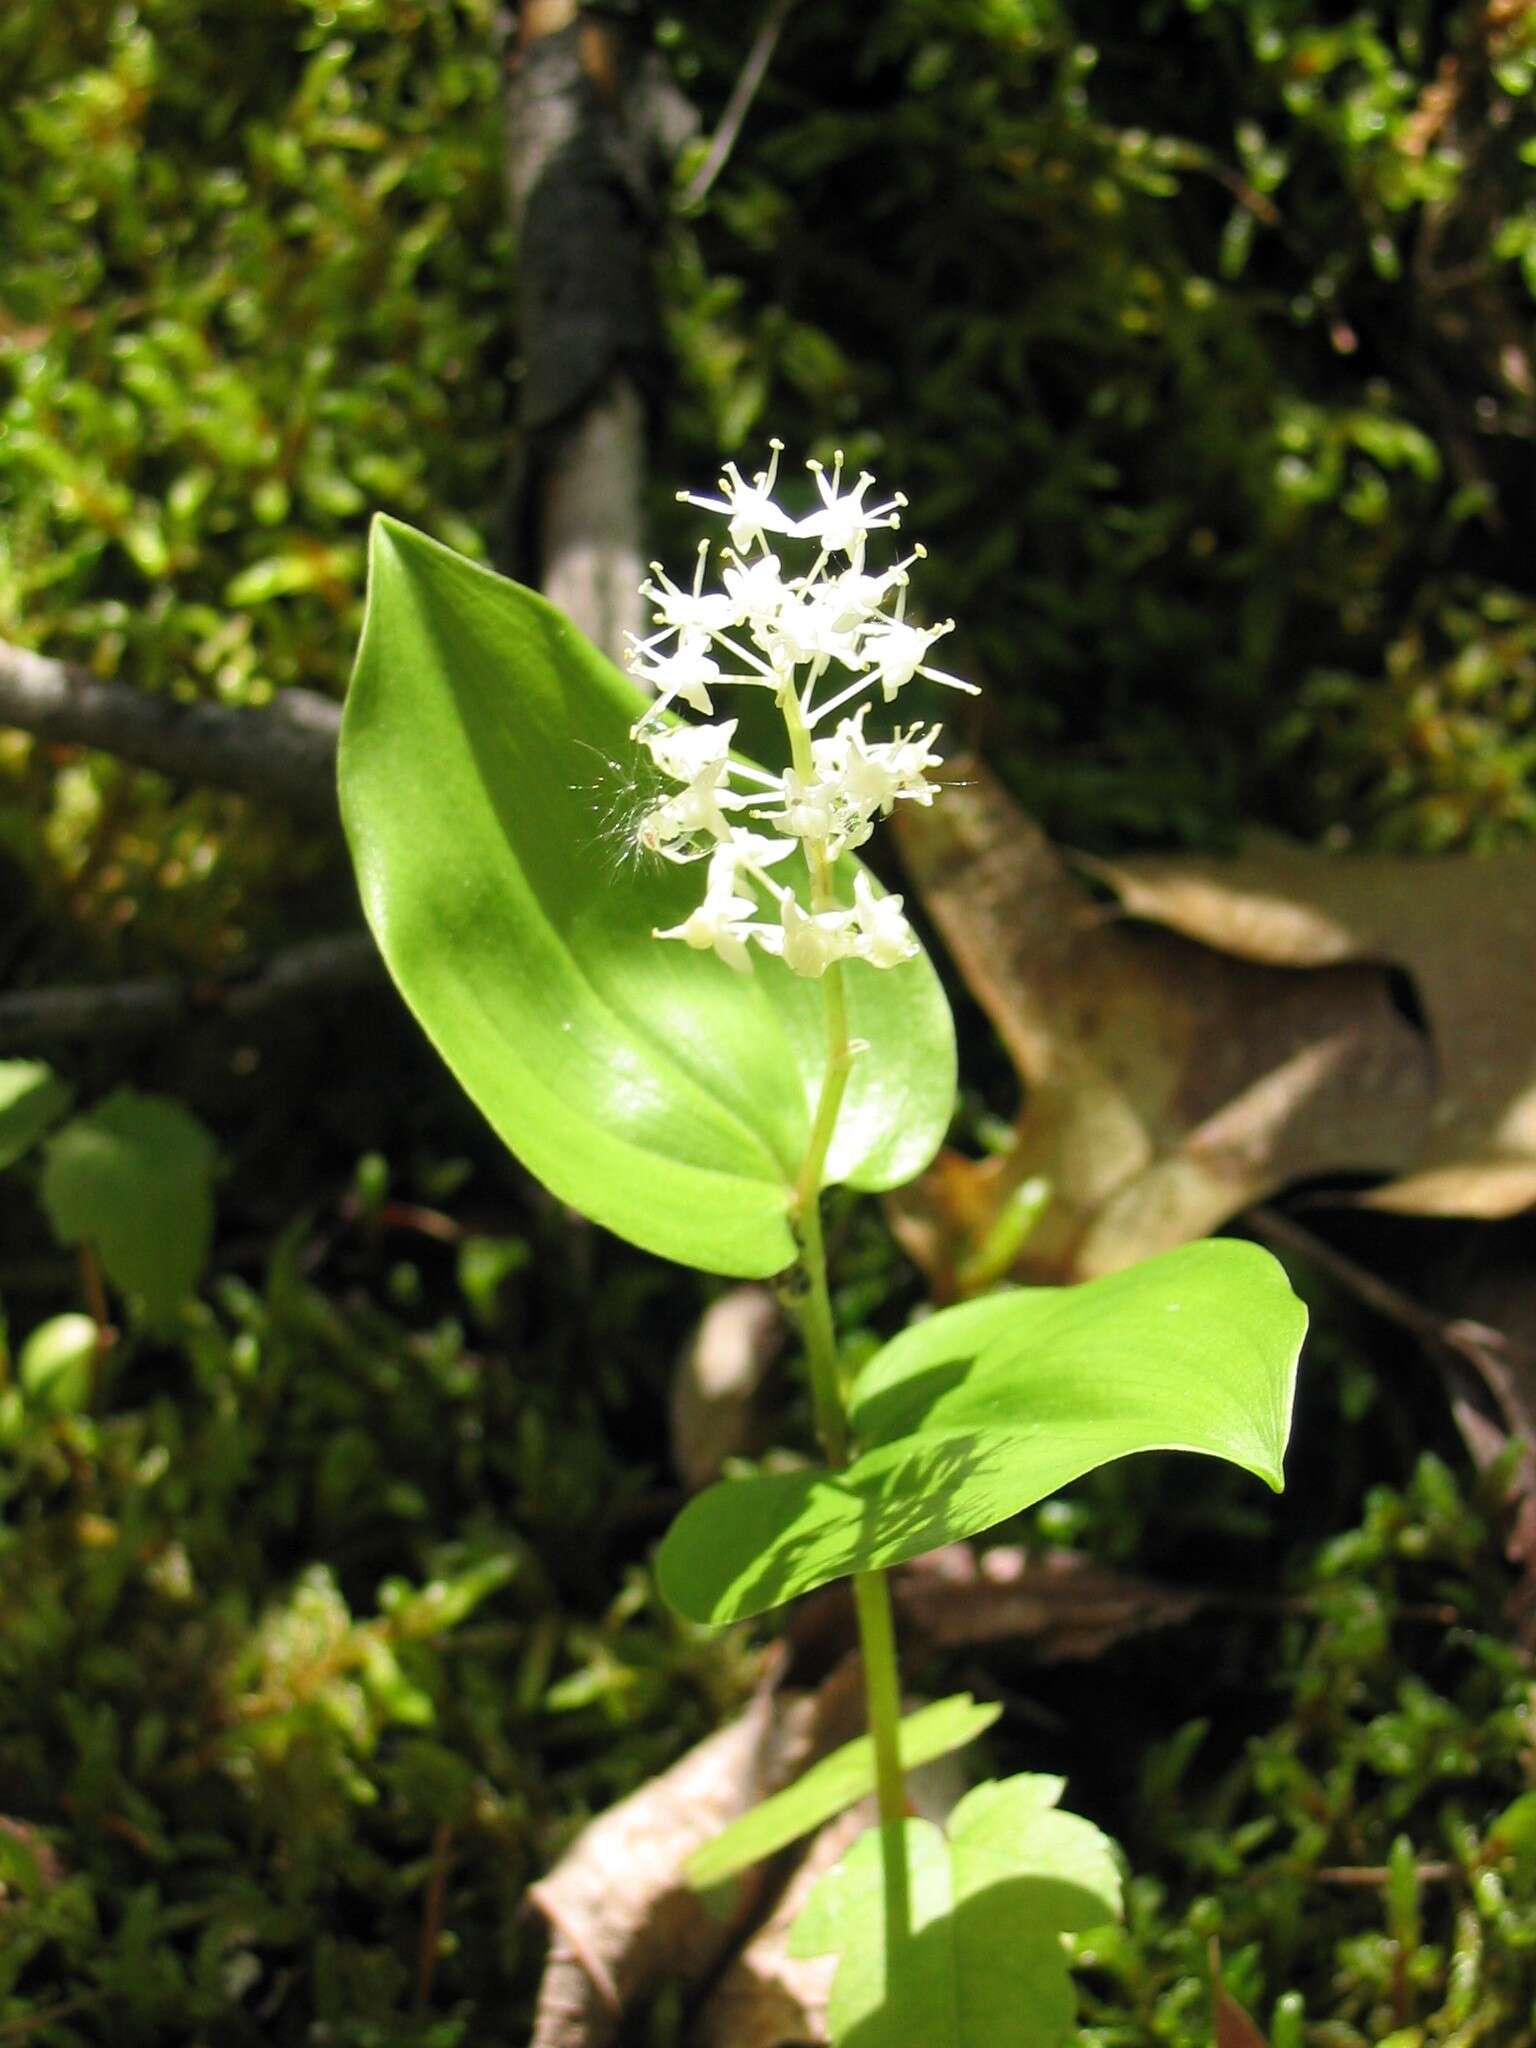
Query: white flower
{"type": "Point", "coordinates": [688, 753]}
{"type": "Point", "coordinates": [720, 923]}
{"type": "Point", "coordinates": [696, 610]}
{"type": "Point", "coordinates": [885, 938]}
{"type": "Point", "coordinates": [874, 774]}
{"type": "Point", "coordinates": [896, 651]}
{"type": "Point", "coordinates": [806, 808]}
{"type": "Point", "coordinates": [689, 671]}
{"type": "Point", "coordinates": [749, 507]}
{"type": "Point", "coordinates": [840, 634]}
{"type": "Point", "coordinates": [815, 625]}
{"type": "Point", "coordinates": [855, 597]}
{"type": "Point", "coordinates": [680, 828]}
{"type": "Point", "coordinates": [758, 592]}
{"type": "Point", "coordinates": [698, 756]}
{"type": "Point", "coordinates": [843, 524]}
{"type": "Point", "coordinates": [758, 850]}
{"type": "Point", "coordinates": [807, 942]}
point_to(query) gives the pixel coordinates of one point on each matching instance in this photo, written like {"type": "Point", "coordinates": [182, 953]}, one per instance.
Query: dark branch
{"type": "Point", "coordinates": [119, 1009]}
{"type": "Point", "coordinates": [283, 752]}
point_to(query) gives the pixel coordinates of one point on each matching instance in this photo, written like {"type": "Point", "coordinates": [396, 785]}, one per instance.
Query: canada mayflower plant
{"type": "Point", "coordinates": [702, 1107]}
{"type": "Point", "coordinates": [823, 641]}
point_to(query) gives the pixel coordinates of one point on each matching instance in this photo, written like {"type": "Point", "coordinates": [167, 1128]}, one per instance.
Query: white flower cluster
{"type": "Point", "coordinates": [837, 630]}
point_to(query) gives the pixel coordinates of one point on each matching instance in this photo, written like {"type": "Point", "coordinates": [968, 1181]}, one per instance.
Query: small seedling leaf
{"type": "Point", "coordinates": [831, 1786]}
{"type": "Point", "coordinates": [31, 1098]}
{"type": "Point", "coordinates": [976, 1959]}
{"type": "Point", "coordinates": [134, 1179]}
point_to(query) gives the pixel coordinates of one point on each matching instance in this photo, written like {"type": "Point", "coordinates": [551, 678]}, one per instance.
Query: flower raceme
{"type": "Point", "coordinates": [821, 641]}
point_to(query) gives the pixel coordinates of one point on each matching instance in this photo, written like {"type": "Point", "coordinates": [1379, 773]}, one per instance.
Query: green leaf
{"type": "Point", "coordinates": [134, 1179]}
{"type": "Point", "coordinates": [57, 1365]}
{"type": "Point", "coordinates": [837, 1782]}
{"type": "Point", "coordinates": [647, 1085]}
{"type": "Point", "coordinates": [31, 1098]}
{"type": "Point", "coordinates": [978, 1961]}
{"type": "Point", "coordinates": [983, 1409]}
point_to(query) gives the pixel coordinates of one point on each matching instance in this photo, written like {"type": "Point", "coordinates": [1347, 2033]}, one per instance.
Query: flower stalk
{"type": "Point", "coordinates": [821, 641]}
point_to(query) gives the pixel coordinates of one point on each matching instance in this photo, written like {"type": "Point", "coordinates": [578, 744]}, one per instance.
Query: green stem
{"type": "Point", "coordinates": [877, 1634]}
{"type": "Point", "coordinates": [813, 1311]}
{"type": "Point", "coordinates": [882, 1692]}
{"type": "Point", "coordinates": [815, 1307]}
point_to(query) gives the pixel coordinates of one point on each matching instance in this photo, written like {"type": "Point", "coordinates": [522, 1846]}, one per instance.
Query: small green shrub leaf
{"type": "Point", "coordinates": [57, 1364]}
{"type": "Point", "coordinates": [31, 1098]}
{"type": "Point", "coordinates": [134, 1178]}
{"type": "Point", "coordinates": [484, 767]}
{"type": "Point", "coordinates": [979, 1962]}
{"type": "Point", "coordinates": [836, 1783]}
{"type": "Point", "coordinates": [982, 1410]}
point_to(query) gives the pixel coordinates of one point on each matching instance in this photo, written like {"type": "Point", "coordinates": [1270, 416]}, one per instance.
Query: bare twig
{"type": "Point", "coordinates": [1374, 1874]}
{"type": "Point", "coordinates": [743, 92]}
{"type": "Point", "coordinates": [1476, 1342]}
{"type": "Point", "coordinates": [1490, 1377]}
{"type": "Point", "coordinates": [432, 1909]}
{"type": "Point", "coordinates": [283, 752]}
{"type": "Point", "coordinates": [52, 1016]}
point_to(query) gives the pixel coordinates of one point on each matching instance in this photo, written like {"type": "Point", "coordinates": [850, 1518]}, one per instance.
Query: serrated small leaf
{"type": "Point", "coordinates": [31, 1098]}
{"type": "Point", "coordinates": [979, 1962]}
{"type": "Point", "coordinates": [986, 1408]}
{"type": "Point", "coordinates": [836, 1783]}
{"type": "Point", "coordinates": [134, 1178]}
{"type": "Point", "coordinates": [485, 747]}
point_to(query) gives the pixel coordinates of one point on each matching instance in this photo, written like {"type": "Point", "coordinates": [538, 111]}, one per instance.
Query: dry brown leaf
{"type": "Point", "coordinates": [621, 1914]}
{"type": "Point", "coordinates": [768, 1998]}
{"type": "Point", "coordinates": [715, 1407]}
{"type": "Point", "coordinates": [1464, 928]}
{"type": "Point", "coordinates": [1067, 1606]}
{"type": "Point", "coordinates": [1233, 2027]}
{"type": "Point", "coordinates": [1061, 1604]}
{"type": "Point", "coordinates": [1167, 1086]}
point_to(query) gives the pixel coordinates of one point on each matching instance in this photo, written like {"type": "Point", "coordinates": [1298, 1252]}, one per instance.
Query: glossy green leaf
{"type": "Point", "coordinates": [134, 1179]}
{"type": "Point", "coordinates": [979, 1961]}
{"type": "Point", "coordinates": [31, 1098]}
{"type": "Point", "coordinates": [984, 1409]}
{"type": "Point", "coordinates": [485, 753]}
{"type": "Point", "coordinates": [836, 1783]}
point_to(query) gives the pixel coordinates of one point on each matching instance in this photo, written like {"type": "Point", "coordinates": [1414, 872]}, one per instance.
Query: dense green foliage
{"type": "Point", "coordinates": [1198, 333]}
{"type": "Point", "coordinates": [332, 1586]}
{"type": "Point", "coordinates": [253, 285]}
{"type": "Point", "coordinates": [318, 1602]}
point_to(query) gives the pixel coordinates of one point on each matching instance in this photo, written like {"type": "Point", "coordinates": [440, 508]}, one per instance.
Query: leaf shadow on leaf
{"type": "Point", "coordinates": [749, 1545]}
{"type": "Point", "coordinates": [992, 1406]}
{"type": "Point", "coordinates": [896, 1411]}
